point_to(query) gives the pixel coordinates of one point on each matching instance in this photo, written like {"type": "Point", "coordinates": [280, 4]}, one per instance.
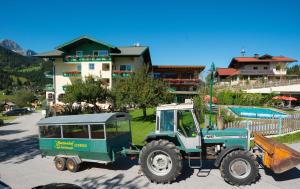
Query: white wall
{"type": "Point", "coordinates": [61, 67]}
{"type": "Point", "coordinates": [135, 62]}
{"type": "Point", "coordinates": [282, 89]}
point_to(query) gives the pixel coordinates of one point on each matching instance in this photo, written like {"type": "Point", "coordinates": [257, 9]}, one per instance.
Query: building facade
{"type": "Point", "coordinates": [183, 80]}
{"type": "Point", "coordinates": [254, 69]}
{"type": "Point", "coordinates": [86, 56]}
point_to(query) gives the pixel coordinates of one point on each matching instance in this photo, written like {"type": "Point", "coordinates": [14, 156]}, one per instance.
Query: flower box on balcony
{"type": "Point", "coordinates": [72, 74]}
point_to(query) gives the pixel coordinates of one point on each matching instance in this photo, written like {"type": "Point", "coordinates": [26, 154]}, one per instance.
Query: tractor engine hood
{"type": "Point", "coordinates": [226, 133]}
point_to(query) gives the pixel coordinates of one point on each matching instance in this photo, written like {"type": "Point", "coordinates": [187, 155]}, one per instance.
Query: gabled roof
{"type": "Point", "coordinates": [82, 38]}
{"type": "Point", "coordinates": [260, 59]}
{"type": "Point", "coordinates": [83, 118]}
{"type": "Point", "coordinates": [131, 51]}
{"type": "Point", "coordinates": [227, 71]}
{"type": "Point", "coordinates": [53, 53]}
{"type": "Point", "coordinates": [273, 59]}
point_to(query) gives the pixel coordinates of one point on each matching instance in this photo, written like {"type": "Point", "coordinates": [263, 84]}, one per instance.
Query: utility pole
{"type": "Point", "coordinates": [212, 71]}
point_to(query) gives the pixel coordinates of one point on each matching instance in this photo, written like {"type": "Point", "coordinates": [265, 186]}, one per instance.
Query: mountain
{"type": "Point", "coordinates": [19, 68]}
{"type": "Point", "coordinates": [15, 47]}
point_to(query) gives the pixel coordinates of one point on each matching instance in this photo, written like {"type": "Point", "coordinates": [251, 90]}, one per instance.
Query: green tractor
{"type": "Point", "coordinates": [178, 136]}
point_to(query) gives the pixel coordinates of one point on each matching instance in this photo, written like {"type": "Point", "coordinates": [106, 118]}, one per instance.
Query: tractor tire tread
{"type": "Point", "coordinates": [165, 144]}
{"type": "Point", "coordinates": [254, 176]}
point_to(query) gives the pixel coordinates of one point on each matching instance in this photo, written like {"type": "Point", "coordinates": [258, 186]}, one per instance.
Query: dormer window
{"type": "Point", "coordinates": [79, 53]}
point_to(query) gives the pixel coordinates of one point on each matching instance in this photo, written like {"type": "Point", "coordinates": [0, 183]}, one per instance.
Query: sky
{"type": "Point", "coordinates": [180, 32]}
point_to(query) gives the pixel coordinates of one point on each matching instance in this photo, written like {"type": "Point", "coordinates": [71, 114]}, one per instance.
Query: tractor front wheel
{"type": "Point", "coordinates": [161, 161]}
{"type": "Point", "coordinates": [239, 168]}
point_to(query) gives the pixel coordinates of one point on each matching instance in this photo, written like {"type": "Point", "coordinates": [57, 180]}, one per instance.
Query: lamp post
{"type": "Point", "coordinates": [211, 82]}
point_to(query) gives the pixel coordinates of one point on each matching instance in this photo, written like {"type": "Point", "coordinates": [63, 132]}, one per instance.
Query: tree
{"type": "Point", "coordinates": [141, 90]}
{"type": "Point", "coordinates": [90, 90]}
{"type": "Point", "coordinates": [24, 97]}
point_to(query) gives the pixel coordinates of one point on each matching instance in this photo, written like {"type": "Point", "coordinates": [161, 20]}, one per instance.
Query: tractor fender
{"type": "Point", "coordinates": [224, 152]}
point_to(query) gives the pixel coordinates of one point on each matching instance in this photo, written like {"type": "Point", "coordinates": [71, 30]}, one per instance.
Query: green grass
{"type": "Point", "coordinates": [142, 127]}
{"type": "Point", "coordinates": [290, 138]}
{"type": "Point", "coordinates": [287, 139]}
{"type": "Point", "coordinates": [7, 119]}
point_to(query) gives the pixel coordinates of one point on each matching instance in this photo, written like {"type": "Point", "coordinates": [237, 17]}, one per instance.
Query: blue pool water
{"type": "Point", "coordinates": [250, 112]}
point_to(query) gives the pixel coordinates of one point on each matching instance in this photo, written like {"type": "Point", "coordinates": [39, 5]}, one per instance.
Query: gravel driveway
{"type": "Point", "coordinates": [22, 167]}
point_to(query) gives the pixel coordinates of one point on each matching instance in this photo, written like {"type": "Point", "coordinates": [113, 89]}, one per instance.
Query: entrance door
{"type": "Point", "coordinates": [188, 129]}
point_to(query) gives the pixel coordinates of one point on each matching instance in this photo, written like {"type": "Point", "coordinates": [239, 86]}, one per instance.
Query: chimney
{"type": "Point", "coordinates": [256, 55]}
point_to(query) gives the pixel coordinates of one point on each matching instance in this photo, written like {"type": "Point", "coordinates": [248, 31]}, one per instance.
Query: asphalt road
{"type": "Point", "coordinates": [22, 167]}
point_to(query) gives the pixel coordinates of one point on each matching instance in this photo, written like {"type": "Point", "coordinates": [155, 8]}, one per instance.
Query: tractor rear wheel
{"type": "Point", "coordinates": [239, 168]}
{"type": "Point", "coordinates": [161, 161]}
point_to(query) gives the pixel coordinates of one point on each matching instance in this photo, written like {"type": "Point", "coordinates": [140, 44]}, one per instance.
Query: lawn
{"type": "Point", "coordinates": [290, 138]}
{"type": "Point", "coordinates": [142, 127]}
{"type": "Point", "coordinates": [7, 119]}
{"type": "Point", "coordinates": [287, 139]}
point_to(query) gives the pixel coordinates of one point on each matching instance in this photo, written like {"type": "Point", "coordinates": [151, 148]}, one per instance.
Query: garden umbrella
{"type": "Point", "coordinates": [286, 98]}
{"type": "Point", "coordinates": [277, 98]}
{"type": "Point", "coordinates": [207, 99]}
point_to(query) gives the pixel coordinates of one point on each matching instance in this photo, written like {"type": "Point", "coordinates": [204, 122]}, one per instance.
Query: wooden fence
{"type": "Point", "coordinates": [268, 126]}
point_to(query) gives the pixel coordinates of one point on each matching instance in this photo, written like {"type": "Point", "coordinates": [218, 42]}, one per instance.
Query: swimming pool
{"type": "Point", "coordinates": [251, 112]}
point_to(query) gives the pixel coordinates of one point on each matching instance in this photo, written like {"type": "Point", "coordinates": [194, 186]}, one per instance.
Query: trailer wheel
{"type": "Point", "coordinates": [60, 163]}
{"type": "Point", "coordinates": [239, 168]}
{"type": "Point", "coordinates": [161, 161]}
{"type": "Point", "coordinates": [72, 165]}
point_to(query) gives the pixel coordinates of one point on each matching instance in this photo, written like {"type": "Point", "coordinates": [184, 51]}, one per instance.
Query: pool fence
{"type": "Point", "coordinates": [268, 126]}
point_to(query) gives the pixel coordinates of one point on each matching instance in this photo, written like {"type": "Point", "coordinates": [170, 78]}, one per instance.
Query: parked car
{"type": "Point", "coordinates": [17, 111]}
{"type": "Point", "coordinates": [1, 122]}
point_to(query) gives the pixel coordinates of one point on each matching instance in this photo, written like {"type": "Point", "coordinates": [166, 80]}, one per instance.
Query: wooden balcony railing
{"type": "Point", "coordinates": [122, 73]}
{"type": "Point", "coordinates": [182, 81]}
{"type": "Point", "coordinates": [72, 74]}
{"type": "Point", "coordinates": [85, 58]}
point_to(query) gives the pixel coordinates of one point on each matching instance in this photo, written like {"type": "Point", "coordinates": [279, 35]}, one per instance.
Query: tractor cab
{"type": "Point", "coordinates": [179, 120]}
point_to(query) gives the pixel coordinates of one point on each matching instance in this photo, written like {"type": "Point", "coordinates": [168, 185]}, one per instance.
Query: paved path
{"type": "Point", "coordinates": [22, 167]}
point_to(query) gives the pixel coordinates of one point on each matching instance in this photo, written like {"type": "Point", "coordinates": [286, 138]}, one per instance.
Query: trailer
{"type": "Point", "coordinates": [102, 138]}
{"type": "Point", "coordinates": [74, 139]}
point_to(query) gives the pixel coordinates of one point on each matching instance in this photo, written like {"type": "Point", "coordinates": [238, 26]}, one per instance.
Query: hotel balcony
{"type": "Point", "coordinates": [256, 72]}
{"type": "Point", "coordinates": [182, 81]}
{"type": "Point", "coordinates": [86, 58]}
{"type": "Point", "coordinates": [122, 73]}
{"type": "Point", "coordinates": [72, 74]}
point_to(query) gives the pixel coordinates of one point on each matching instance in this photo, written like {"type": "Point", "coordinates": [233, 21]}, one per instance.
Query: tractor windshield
{"type": "Point", "coordinates": [167, 121]}
{"type": "Point", "coordinates": [186, 123]}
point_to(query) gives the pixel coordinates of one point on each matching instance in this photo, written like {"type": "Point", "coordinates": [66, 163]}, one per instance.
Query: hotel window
{"type": "Point", "coordinates": [265, 68]}
{"type": "Point", "coordinates": [78, 67]}
{"type": "Point", "coordinates": [105, 67]}
{"type": "Point", "coordinates": [125, 67]}
{"type": "Point", "coordinates": [103, 53]}
{"type": "Point", "coordinates": [105, 81]}
{"type": "Point", "coordinates": [91, 66]}
{"type": "Point", "coordinates": [95, 53]}
{"type": "Point", "coordinates": [255, 68]}
{"type": "Point", "coordinates": [79, 53]}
